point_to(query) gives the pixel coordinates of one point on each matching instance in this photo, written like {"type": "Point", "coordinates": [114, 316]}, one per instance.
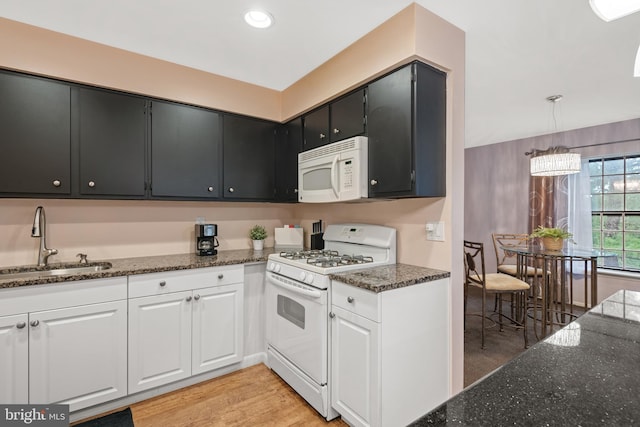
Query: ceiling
{"type": "Point", "coordinates": [518, 51]}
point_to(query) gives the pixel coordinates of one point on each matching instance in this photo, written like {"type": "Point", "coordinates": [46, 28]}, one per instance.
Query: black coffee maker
{"type": "Point", "coordinates": [206, 240]}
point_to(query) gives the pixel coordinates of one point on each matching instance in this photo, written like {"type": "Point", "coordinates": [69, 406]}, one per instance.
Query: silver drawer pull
{"type": "Point", "coordinates": [332, 314]}
{"type": "Point", "coordinates": [350, 299]}
{"type": "Point", "coordinates": [35, 323]}
{"type": "Point", "coordinates": [163, 283]}
{"type": "Point", "coordinates": [56, 183]}
{"type": "Point", "coordinates": [197, 297]}
{"type": "Point", "coordinates": [220, 276]}
{"type": "Point", "coordinates": [21, 325]}
{"type": "Point", "coordinates": [189, 298]}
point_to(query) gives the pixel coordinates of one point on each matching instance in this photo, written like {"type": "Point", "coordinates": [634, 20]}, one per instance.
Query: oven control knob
{"type": "Point", "coordinates": [303, 276]}
{"type": "Point", "coordinates": [276, 268]}
{"type": "Point", "coordinates": [272, 266]}
{"type": "Point", "coordinates": [309, 279]}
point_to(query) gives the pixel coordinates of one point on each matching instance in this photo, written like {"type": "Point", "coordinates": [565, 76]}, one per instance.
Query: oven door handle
{"type": "Point", "coordinates": [274, 279]}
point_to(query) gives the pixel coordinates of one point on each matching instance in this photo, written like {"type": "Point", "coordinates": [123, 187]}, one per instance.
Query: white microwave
{"type": "Point", "coordinates": [335, 172]}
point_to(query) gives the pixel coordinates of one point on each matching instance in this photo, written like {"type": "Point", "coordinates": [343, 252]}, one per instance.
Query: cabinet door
{"type": "Point", "coordinates": [355, 363]}
{"type": "Point", "coordinates": [112, 143]}
{"type": "Point", "coordinates": [78, 355]}
{"type": "Point", "coordinates": [249, 150]}
{"type": "Point", "coordinates": [347, 116]}
{"type": "Point", "coordinates": [218, 331]}
{"type": "Point", "coordinates": [389, 127]}
{"type": "Point", "coordinates": [36, 135]}
{"type": "Point", "coordinates": [159, 340]}
{"type": "Point", "coordinates": [14, 354]}
{"type": "Point", "coordinates": [288, 146]}
{"type": "Point", "coordinates": [185, 151]}
{"type": "Point", "coordinates": [316, 128]}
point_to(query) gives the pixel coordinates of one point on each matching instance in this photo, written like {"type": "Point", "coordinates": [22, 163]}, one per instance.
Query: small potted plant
{"type": "Point", "coordinates": [552, 238]}
{"type": "Point", "coordinates": [258, 234]}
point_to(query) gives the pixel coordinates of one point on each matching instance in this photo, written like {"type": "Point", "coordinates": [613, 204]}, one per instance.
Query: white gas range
{"type": "Point", "coordinates": [298, 301]}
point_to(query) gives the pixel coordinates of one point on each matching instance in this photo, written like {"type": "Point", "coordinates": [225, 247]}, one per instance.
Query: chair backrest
{"type": "Point", "coordinates": [474, 263]}
{"type": "Point", "coordinates": [500, 240]}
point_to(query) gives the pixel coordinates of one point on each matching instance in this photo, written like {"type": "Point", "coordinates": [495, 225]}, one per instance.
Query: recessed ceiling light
{"type": "Point", "coordinates": [608, 10]}
{"type": "Point", "coordinates": [258, 18]}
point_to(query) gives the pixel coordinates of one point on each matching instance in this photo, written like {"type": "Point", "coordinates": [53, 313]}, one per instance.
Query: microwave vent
{"type": "Point", "coordinates": [335, 148]}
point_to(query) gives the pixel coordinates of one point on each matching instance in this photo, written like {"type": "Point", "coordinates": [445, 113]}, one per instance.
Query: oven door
{"type": "Point", "coordinates": [297, 324]}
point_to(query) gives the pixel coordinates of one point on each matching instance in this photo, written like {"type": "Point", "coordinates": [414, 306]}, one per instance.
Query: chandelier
{"type": "Point", "coordinates": [554, 161]}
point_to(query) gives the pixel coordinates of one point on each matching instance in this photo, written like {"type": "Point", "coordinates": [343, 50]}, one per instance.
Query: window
{"type": "Point", "coordinates": [615, 210]}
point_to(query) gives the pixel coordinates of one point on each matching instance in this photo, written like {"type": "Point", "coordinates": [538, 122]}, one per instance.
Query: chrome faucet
{"type": "Point", "coordinates": [40, 230]}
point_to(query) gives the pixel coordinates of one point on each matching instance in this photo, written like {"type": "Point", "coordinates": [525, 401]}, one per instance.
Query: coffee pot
{"type": "Point", "coordinates": [206, 239]}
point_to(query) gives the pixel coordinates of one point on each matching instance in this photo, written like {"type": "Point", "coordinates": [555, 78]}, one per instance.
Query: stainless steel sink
{"type": "Point", "coordinates": [53, 270]}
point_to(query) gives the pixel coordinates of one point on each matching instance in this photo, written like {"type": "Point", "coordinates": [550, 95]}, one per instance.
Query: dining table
{"type": "Point", "coordinates": [560, 274]}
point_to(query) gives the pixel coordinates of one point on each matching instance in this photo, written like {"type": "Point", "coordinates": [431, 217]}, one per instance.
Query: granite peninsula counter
{"type": "Point", "coordinates": [142, 265]}
{"type": "Point", "coordinates": [586, 374]}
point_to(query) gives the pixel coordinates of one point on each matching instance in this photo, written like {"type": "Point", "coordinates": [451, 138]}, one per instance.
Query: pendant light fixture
{"type": "Point", "coordinates": [608, 10]}
{"type": "Point", "coordinates": [554, 161]}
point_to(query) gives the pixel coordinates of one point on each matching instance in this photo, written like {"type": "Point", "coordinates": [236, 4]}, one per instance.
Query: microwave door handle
{"type": "Point", "coordinates": [334, 165]}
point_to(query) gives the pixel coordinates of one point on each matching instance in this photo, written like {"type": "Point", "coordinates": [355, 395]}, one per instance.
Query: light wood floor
{"type": "Point", "coordinates": [254, 396]}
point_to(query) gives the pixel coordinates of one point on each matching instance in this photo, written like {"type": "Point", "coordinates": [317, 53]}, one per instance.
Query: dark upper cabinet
{"type": "Point", "coordinates": [348, 116]}
{"type": "Point", "coordinates": [342, 118]}
{"type": "Point", "coordinates": [316, 128]}
{"type": "Point", "coordinates": [35, 136]}
{"type": "Point", "coordinates": [406, 126]}
{"type": "Point", "coordinates": [288, 145]}
{"type": "Point", "coordinates": [185, 151]}
{"type": "Point", "coordinates": [249, 158]}
{"type": "Point", "coordinates": [112, 131]}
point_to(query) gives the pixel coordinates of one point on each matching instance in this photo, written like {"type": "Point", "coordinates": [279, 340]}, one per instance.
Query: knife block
{"type": "Point", "coordinates": [316, 241]}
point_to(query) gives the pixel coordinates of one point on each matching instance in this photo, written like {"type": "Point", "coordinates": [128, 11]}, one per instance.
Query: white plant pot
{"type": "Point", "coordinates": [258, 245]}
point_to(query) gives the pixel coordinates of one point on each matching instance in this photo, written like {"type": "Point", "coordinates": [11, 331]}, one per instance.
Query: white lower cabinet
{"type": "Point", "coordinates": [67, 345]}
{"type": "Point", "coordinates": [188, 322]}
{"type": "Point", "coordinates": [14, 357]}
{"type": "Point", "coordinates": [390, 352]}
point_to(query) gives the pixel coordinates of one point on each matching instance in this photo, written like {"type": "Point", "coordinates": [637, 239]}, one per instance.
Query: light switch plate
{"type": "Point", "coordinates": [435, 231]}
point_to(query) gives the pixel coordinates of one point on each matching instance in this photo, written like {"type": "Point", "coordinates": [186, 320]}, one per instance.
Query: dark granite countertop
{"type": "Point", "coordinates": [387, 277]}
{"type": "Point", "coordinates": [141, 265]}
{"type": "Point", "coordinates": [586, 374]}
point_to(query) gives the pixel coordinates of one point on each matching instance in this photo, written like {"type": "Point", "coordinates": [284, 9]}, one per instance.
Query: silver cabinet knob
{"type": "Point", "coordinates": [189, 298]}
{"type": "Point", "coordinates": [163, 283]}
{"type": "Point", "coordinates": [196, 297]}
{"type": "Point", "coordinates": [350, 299]}
{"type": "Point", "coordinates": [220, 276]}
{"type": "Point", "coordinates": [332, 314]}
{"type": "Point", "coordinates": [374, 182]}
{"type": "Point", "coordinates": [323, 136]}
{"type": "Point", "coordinates": [231, 190]}
{"type": "Point", "coordinates": [21, 325]}
{"type": "Point", "coordinates": [35, 323]}
{"type": "Point", "coordinates": [295, 190]}
{"type": "Point", "coordinates": [56, 183]}
{"type": "Point", "coordinates": [210, 189]}
{"type": "Point", "coordinates": [92, 184]}
{"type": "Point", "coordinates": [336, 131]}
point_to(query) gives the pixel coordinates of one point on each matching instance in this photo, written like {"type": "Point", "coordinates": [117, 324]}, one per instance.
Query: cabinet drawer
{"type": "Point", "coordinates": [356, 300]}
{"type": "Point", "coordinates": [184, 280]}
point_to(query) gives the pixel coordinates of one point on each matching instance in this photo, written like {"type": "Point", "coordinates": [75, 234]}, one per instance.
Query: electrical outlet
{"type": "Point", "coordinates": [435, 231]}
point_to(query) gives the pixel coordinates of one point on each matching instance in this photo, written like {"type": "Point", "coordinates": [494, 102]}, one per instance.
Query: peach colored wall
{"type": "Point", "coordinates": [27, 48]}
{"type": "Point", "coordinates": [106, 229]}
{"type": "Point", "coordinates": [130, 228]}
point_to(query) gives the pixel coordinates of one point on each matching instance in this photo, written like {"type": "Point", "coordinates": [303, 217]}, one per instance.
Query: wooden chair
{"type": "Point", "coordinates": [494, 283]}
